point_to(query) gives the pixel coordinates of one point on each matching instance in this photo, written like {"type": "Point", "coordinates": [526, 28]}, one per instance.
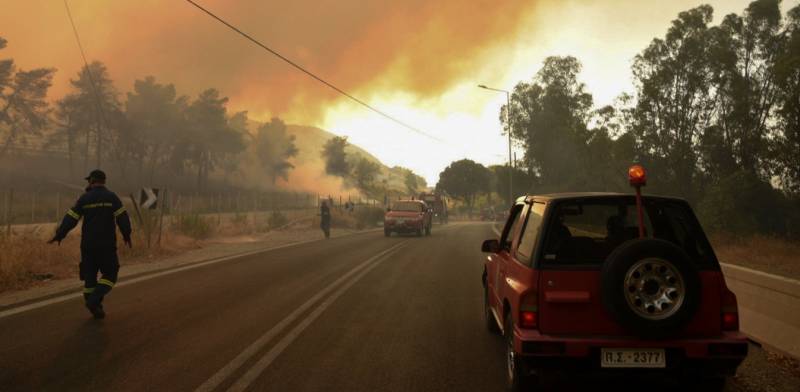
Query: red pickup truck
{"type": "Point", "coordinates": [610, 283]}
{"type": "Point", "coordinates": [408, 216]}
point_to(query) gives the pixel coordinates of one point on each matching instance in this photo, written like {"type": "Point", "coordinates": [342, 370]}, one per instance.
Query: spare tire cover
{"type": "Point", "coordinates": [650, 287]}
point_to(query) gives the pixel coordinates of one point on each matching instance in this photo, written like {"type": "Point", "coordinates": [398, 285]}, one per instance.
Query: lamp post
{"type": "Point", "coordinates": [508, 121]}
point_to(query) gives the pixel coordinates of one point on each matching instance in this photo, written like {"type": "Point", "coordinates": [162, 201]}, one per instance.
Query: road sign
{"type": "Point", "coordinates": [148, 198]}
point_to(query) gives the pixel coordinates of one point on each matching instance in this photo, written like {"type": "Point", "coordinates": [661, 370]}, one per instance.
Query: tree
{"type": "Point", "coordinates": [23, 108]}
{"type": "Point", "coordinates": [333, 152]}
{"type": "Point", "coordinates": [672, 78]}
{"type": "Point", "coordinates": [549, 117]}
{"type": "Point", "coordinates": [211, 137]}
{"type": "Point", "coordinates": [786, 144]}
{"type": "Point", "coordinates": [364, 173]}
{"type": "Point", "coordinates": [611, 147]}
{"type": "Point", "coordinates": [90, 117]}
{"type": "Point", "coordinates": [274, 148]}
{"type": "Point", "coordinates": [742, 54]}
{"type": "Point", "coordinates": [412, 182]}
{"type": "Point", "coordinates": [521, 180]}
{"type": "Point", "coordinates": [464, 179]}
{"type": "Point", "coordinates": [155, 116]}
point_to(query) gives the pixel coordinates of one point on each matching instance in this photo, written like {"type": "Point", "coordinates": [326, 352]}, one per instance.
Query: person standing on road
{"type": "Point", "coordinates": [325, 218]}
{"type": "Point", "coordinates": [102, 212]}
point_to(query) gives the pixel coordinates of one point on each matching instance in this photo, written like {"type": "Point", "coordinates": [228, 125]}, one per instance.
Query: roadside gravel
{"type": "Point", "coordinates": [764, 371]}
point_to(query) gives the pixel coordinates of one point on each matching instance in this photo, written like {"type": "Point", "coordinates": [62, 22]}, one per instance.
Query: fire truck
{"type": "Point", "coordinates": [437, 202]}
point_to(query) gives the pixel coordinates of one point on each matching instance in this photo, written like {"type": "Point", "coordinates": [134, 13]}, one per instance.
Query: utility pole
{"type": "Point", "coordinates": [98, 101]}
{"type": "Point", "coordinates": [510, 161]}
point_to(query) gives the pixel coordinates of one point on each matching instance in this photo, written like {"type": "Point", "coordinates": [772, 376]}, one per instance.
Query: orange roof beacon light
{"type": "Point", "coordinates": [637, 177]}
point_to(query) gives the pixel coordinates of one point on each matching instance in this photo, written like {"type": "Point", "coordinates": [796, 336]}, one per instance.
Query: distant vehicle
{"type": "Point", "coordinates": [603, 282]}
{"type": "Point", "coordinates": [438, 203]}
{"type": "Point", "coordinates": [408, 216]}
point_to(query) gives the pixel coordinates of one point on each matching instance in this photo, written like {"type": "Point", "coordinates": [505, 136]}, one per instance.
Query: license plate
{"type": "Point", "coordinates": [632, 358]}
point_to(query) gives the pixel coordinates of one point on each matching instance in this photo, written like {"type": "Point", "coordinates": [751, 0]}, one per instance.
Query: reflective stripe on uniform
{"type": "Point", "coordinates": [88, 290]}
{"type": "Point", "coordinates": [73, 214]}
{"type": "Point", "coordinates": [120, 211]}
{"type": "Point", "coordinates": [106, 282]}
{"type": "Point", "coordinates": [95, 205]}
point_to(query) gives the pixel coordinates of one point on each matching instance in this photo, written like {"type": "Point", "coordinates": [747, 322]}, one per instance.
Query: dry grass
{"type": "Point", "coordinates": [769, 254]}
{"type": "Point", "coordinates": [27, 260]}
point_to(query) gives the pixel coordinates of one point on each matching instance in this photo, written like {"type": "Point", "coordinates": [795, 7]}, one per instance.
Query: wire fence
{"type": "Point", "coordinates": [24, 207]}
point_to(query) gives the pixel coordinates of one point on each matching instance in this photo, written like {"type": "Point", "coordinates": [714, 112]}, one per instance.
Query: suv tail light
{"type": "Point", "coordinates": [528, 319]}
{"type": "Point", "coordinates": [529, 310]}
{"type": "Point", "coordinates": [730, 311]}
{"type": "Point", "coordinates": [730, 321]}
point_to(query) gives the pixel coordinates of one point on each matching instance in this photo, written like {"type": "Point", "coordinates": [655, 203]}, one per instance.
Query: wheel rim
{"type": "Point", "coordinates": [654, 289]}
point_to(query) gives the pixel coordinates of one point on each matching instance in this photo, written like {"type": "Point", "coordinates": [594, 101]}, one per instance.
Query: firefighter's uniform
{"type": "Point", "coordinates": [101, 211]}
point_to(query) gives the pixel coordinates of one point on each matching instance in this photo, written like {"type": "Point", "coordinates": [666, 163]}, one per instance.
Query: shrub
{"type": "Point", "coordinates": [367, 216]}
{"type": "Point", "coordinates": [195, 226]}
{"type": "Point", "coordinates": [26, 259]}
{"type": "Point", "coordinates": [743, 204]}
{"type": "Point", "coordinates": [276, 220]}
{"type": "Point", "coordinates": [239, 219]}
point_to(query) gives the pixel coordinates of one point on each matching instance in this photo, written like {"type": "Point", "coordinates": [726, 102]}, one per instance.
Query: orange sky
{"type": "Point", "coordinates": [417, 46]}
{"type": "Point", "coordinates": [417, 59]}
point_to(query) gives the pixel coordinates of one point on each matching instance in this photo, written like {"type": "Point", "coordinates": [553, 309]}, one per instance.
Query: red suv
{"type": "Point", "coordinates": [408, 216]}
{"type": "Point", "coordinates": [606, 283]}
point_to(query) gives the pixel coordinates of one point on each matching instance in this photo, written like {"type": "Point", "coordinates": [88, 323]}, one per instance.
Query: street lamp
{"type": "Point", "coordinates": [508, 121]}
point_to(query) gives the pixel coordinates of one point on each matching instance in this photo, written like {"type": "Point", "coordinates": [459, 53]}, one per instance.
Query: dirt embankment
{"type": "Point", "coordinates": [768, 254]}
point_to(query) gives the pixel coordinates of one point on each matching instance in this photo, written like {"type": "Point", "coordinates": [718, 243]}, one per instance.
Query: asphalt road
{"type": "Point", "coordinates": [358, 313]}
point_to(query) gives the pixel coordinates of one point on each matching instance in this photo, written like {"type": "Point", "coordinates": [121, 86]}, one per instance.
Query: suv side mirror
{"type": "Point", "coordinates": [490, 246]}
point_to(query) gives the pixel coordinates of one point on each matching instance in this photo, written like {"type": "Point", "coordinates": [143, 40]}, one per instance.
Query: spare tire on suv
{"type": "Point", "coordinates": [650, 287]}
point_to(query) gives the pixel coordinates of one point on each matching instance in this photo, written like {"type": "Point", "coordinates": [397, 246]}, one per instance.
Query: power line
{"type": "Point", "coordinates": [309, 73]}
{"type": "Point", "coordinates": [96, 94]}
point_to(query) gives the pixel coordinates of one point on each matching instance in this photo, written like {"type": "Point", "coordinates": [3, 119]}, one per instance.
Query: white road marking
{"type": "Point", "coordinates": [226, 371]}
{"type": "Point", "coordinates": [66, 297]}
{"type": "Point", "coordinates": [496, 230]}
{"type": "Point", "coordinates": [124, 282]}
{"type": "Point", "coordinates": [258, 368]}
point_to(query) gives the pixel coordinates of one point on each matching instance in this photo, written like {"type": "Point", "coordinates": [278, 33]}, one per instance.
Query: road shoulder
{"type": "Point", "coordinates": [221, 248]}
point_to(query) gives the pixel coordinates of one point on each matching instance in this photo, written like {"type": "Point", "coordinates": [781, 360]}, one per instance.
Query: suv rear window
{"type": "Point", "coordinates": [586, 231]}
{"type": "Point", "coordinates": [409, 206]}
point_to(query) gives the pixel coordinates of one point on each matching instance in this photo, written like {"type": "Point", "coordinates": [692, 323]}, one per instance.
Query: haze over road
{"type": "Point", "coordinates": [357, 313]}
{"type": "Point", "coordinates": [397, 327]}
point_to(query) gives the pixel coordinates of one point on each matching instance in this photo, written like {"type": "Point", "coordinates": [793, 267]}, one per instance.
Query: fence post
{"type": "Point", "coordinates": [9, 200]}
{"type": "Point", "coordinates": [33, 207]}
{"type": "Point", "coordinates": [161, 215]}
{"type": "Point", "coordinates": [255, 209]}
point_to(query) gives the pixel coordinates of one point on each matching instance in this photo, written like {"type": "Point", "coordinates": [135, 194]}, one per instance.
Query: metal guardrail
{"type": "Point", "coordinates": [769, 307]}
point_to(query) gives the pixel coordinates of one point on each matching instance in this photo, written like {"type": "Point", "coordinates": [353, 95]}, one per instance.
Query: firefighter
{"type": "Point", "coordinates": [325, 218]}
{"type": "Point", "coordinates": [101, 211]}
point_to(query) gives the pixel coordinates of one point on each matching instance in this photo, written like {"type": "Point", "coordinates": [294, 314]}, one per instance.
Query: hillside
{"type": "Point", "coordinates": [310, 141]}
{"type": "Point", "coordinates": [309, 174]}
